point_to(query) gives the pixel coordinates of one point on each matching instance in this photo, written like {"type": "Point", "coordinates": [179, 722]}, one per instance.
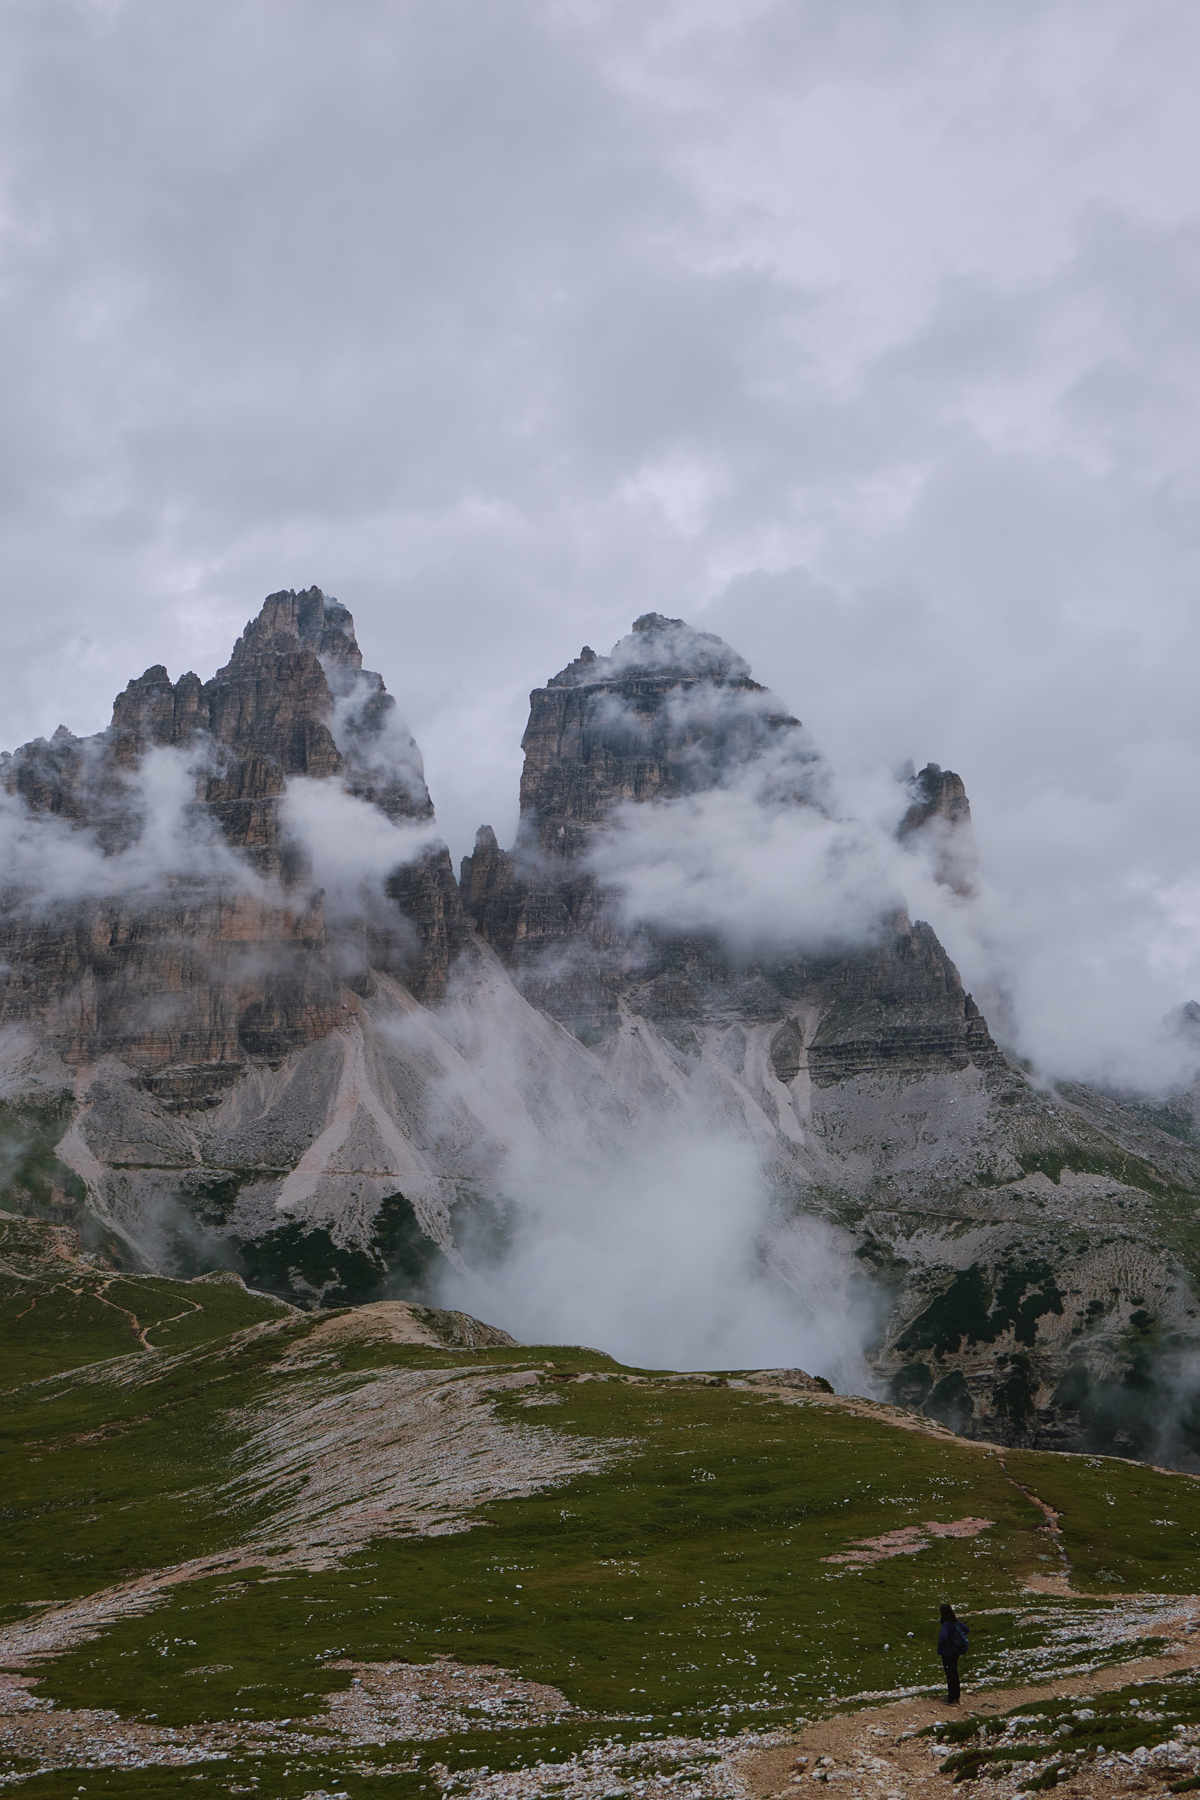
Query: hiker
{"type": "Point", "coordinates": [952, 1643]}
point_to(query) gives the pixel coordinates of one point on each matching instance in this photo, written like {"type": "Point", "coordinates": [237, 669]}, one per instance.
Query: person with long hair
{"type": "Point", "coordinates": [952, 1643]}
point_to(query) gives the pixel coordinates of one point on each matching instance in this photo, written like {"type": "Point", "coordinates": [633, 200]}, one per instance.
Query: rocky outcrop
{"type": "Point", "coordinates": [191, 970]}
{"type": "Point", "coordinates": [673, 712]}
{"type": "Point", "coordinates": [937, 794]}
{"type": "Point", "coordinates": [939, 820]}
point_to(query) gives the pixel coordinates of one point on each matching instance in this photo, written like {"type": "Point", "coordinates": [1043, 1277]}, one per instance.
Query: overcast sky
{"type": "Point", "coordinates": [862, 331]}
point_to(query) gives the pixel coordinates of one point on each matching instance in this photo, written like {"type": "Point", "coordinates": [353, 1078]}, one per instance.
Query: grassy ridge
{"type": "Point", "coordinates": [687, 1579]}
{"type": "Point", "coordinates": [1124, 1525]}
{"type": "Point", "coordinates": [108, 1475]}
{"type": "Point", "coordinates": [59, 1311]}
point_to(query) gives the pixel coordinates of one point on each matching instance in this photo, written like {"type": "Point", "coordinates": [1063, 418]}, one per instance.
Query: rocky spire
{"type": "Point", "coordinates": [293, 700]}
{"type": "Point", "coordinates": [939, 819]}
{"type": "Point", "coordinates": [672, 711]}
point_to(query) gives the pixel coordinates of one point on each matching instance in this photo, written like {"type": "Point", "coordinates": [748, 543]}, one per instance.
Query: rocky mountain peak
{"type": "Point", "coordinates": [658, 649]}
{"type": "Point", "coordinates": [674, 713]}
{"type": "Point", "coordinates": [670, 710]}
{"type": "Point", "coordinates": [940, 815]}
{"type": "Point", "coordinates": [937, 793]}
{"type": "Point", "coordinates": [309, 620]}
{"type": "Point", "coordinates": [293, 700]}
{"type": "Point", "coordinates": [196, 974]}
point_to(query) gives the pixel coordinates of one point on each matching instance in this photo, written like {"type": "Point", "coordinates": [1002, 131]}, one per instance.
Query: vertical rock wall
{"type": "Point", "coordinates": [209, 968]}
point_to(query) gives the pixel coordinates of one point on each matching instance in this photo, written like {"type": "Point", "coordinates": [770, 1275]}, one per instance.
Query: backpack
{"type": "Point", "coordinates": [959, 1643]}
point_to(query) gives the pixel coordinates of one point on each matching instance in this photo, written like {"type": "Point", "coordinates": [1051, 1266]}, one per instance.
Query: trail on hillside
{"type": "Point", "coordinates": [876, 1751]}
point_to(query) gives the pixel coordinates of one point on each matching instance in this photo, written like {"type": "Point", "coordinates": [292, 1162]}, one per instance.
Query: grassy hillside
{"type": "Point", "coordinates": [235, 1530]}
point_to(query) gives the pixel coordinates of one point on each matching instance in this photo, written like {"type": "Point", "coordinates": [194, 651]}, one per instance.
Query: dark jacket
{"type": "Point", "coordinates": [949, 1639]}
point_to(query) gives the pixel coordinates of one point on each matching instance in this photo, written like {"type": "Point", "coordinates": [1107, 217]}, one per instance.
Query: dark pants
{"type": "Point", "coordinates": [950, 1664]}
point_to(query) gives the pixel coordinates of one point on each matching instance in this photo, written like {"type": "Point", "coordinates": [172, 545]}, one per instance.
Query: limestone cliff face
{"type": "Point", "coordinates": [196, 970]}
{"type": "Point", "coordinates": [673, 712]}
{"type": "Point", "coordinates": [185, 989]}
{"type": "Point", "coordinates": [293, 700]}
{"type": "Point", "coordinates": [667, 713]}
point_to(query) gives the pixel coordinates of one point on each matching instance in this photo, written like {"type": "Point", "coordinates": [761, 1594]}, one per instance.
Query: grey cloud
{"type": "Point", "coordinates": [864, 334]}
{"type": "Point", "coordinates": [351, 846]}
{"type": "Point", "coordinates": [154, 834]}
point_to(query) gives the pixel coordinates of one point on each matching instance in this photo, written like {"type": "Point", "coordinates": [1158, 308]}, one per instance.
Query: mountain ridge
{"type": "Point", "coordinates": [366, 1097]}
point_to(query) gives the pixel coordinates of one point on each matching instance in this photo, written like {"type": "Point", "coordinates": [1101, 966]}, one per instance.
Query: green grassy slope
{"type": "Point", "coordinates": [681, 1589]}
{"type": "Point", "coordinates": [59, 1310]}
{"type": "Point", "coordinates": [687, 1579]}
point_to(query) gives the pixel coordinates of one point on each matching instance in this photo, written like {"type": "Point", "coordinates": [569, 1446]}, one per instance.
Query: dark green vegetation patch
{"type": "Point", "coordinates": [976, 1310]}
{"type": "Point", "coordinates": [301, 1262]}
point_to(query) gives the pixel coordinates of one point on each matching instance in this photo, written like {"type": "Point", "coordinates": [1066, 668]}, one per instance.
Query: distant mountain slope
{"type": "Point", "coordinates": [248, 1016]}
{"type": "Point", "coordinates": [1040, 1247]}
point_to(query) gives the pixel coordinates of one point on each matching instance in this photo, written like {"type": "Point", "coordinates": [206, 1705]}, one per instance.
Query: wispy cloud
{"type": "Point", "coordinates": [865, 335]}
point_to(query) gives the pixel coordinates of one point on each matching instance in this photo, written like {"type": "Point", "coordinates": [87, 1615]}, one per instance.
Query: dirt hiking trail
{"type": "Point", "coordinates": [875, 1752]}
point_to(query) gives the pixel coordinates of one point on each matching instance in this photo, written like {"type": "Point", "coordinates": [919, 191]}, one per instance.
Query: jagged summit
{"type": "Point", "coordinates": [669, 711]}
{"type": "Point", "coordinates": [660, 648]}
{"type": "Point", "coordinates": [673, 714]}
{"type": "Point", "coordinates": [196, 937]}
{"type": "Point", "coordinates": [940, 814]}
{"type": "Point", "coordinates": [310, 619]}
{"type": "Point", "coordinates": [293, 700]}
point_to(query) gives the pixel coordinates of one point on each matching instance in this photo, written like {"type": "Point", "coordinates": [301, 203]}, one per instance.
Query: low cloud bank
{"type": "Point", "coordinates": [1075, 970]}
{"type": "Point", "coordinates": [152, 833]}
{"type": "Point", "coordinates": [627, 1219]}
{"type": "Point", "coordinates": [765, 873]}
{"type": "Point", "coordinates": [657, 1253]}
{"type": "Point", "coordinates": [351, 846]}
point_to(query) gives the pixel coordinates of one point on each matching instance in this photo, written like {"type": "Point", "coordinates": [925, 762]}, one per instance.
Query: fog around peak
{"type": "Point", "coordinates": [862, 338]}
{"type": "Point", "coordinates": [659, 646]}
{"type": "Point", "coordinates": [157, 836]}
